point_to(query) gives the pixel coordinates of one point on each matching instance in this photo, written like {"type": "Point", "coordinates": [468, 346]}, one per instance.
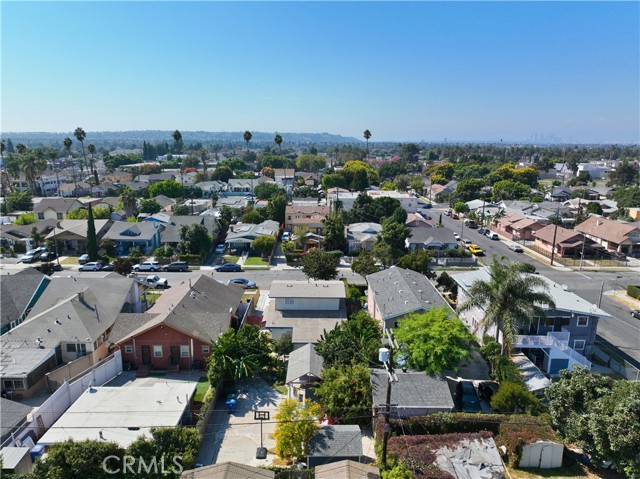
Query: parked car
{"type": "Point", "coordinates": [516, 248]}
{"type": "Point", "coordinates": [455, 216]}
{"type": "Point", "coordinates": [456, 236]}
{"type": "Point", "coordinates": [31, 256]}
{"type": "Point", "coordinates": [448, 213]}
{"type": "Point", "coordinates": [466, 397]}
{"type": "Point", "coordinates": [55, 266]}
{"type": "Point", "coordinates": [475, 249]}
{"type": "Point", "coordinates": [470, 224]}
{"type": "Point", "coordinates": [109, 267]}
{"type": "Point", "coordinates": [636, 313]}
{"type": "Point", "coordinates": [83, 259]}
{"type": "Point", "coordinates": [220, 248]}
{"type": "Point", "coordinates": [48, 256]}
{"type": "Point", "coordinates": [147, 266]}
{"type": "Point", "coordinates": [228, 268]}
{"type": "Point", "coordinates": [493, 236]}
{"type": "Point", "coordinates": [155, 282]}
{"type": "Point", "coordinates": [467, 243]}
{"type": "Point", "coordinates": [487, 389]}
{"type": "Point", "coordinates": [245, 283]}
{"type": "Point", "coordinates": [482, 231]}
{"type": "Point", "coordinates": [92, 266]}
{"type": "Point", "coordinates": [286, 236]}
{"type": "Point", "coordinates": [177, 266]}
{"type": "Point", "coordinates": [426, 206]}
{"type": "Point", "coordinates": [617, 255]}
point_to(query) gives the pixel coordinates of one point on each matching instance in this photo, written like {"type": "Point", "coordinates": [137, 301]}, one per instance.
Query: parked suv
{"type": "Point", "coordinates": [32, 255]}
{"type": "Point", "coordinates": [177, 266]}
{"type": "Point", "coordinates": [147, 266]}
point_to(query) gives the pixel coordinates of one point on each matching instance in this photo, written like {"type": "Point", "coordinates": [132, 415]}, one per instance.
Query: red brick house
{"type": "Point", "coordinates": [177, 331]}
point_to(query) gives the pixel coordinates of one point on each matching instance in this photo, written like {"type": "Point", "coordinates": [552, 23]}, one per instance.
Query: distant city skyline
{"type": "Point", "coordinates": [414, 71]}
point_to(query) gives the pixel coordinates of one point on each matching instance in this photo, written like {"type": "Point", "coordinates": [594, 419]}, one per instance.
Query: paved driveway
{"type": "Point", "coordinates": [235, 437]}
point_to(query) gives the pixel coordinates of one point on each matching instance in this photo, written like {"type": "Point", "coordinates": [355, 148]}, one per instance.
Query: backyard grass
{"type": "Point", "coordinates": [574, 471]}
{"type": "Point", "coordinates": [152, 297]}
{"type": "Point", "coordinates": [281, 388]}
{"type": "Point", "coordinates": [201, 389]}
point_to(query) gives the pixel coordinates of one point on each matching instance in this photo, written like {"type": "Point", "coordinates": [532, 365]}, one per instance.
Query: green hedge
{"type": "Point", "coordinates": [633, 291]}
{"type": "Point", "coordinates": [190, 258]}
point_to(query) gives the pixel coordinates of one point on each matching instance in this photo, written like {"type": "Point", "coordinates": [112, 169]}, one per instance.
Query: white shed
{"type": "Point", "coordinates": [542, 454]}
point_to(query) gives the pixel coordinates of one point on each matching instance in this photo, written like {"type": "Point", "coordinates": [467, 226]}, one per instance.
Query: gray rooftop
{"type": "Point", "coordinates": [13, 414]}
{"type": "Point", "coordinates": [17, 290]}
{"type": "Point", "coordinates": [228, 470]}
{"type": "Point", "coordinates": [171, 232]}
{"type": "Point", "coordinates": [472, 458]}
{"type": "Point", "coordinates": [306, 326]}
{"type": "Point", "coordinates": [123, 230]}
{"type": "Point", "coordinates": [12, 456]}
{"type": "Point", "coordinates": [413, 389]}
{"type": "Point", "coordinates": [59, 205]}
{"type": "Point", "coordinates": [400, 291]}
{"type": "Point", "coordinates": [347, 470]}
{"type": "Point", "coordinates": [250, 232]}
{"type": "Point", "coordinates": [428, 236]}
{"type": "Point", "coordinates": [304, 361]}
{"type": "Point", "coordinates": [306, 289]}
{"type": "Point", "coordinates": [338, 440]}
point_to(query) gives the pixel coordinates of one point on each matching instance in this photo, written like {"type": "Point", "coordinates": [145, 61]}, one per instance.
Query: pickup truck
{"type": "Point", "coordinates": [155, 282]}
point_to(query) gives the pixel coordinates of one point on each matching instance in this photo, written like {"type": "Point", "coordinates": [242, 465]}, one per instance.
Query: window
{"type": "Point", "coordinates": [71, 348]}
{"type": "Point", "coordinates": [157, 351]}
{"type": "Point", "coordinates": [128, 349]}
{"type": "Point", "coordinates": [583, 321]}
{"type": "Point", "coordinates": [289, 301]}
{"type": "Point", "coordinates": [40, 216]}
{"type": "Point", "coordinates": [578, 344]}
{"type": "Point", "coordinates": [205, 349]}
{"type": "Point", "coordinates": [60, 216]}
{"type": "Point", "coordinates": [184, 351]}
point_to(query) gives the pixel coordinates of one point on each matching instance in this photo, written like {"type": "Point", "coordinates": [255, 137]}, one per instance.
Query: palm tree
{"type": "Point", "coordinates": [52, 154]}
{"type": "Point", "coordinates": [367, 135]}
{"type": "Point", "coordinates": [92, 149]}
{"type": "Point", "coordinates": [80, 136]}
{"type": "Point", "coordinates": [177, 137]}
{"type": "Point", "coordinates": [129, 200]}
{"type": "Point", "coordinates": [4, 178]}
{"type": "Point", "coordinates": [67, 142]}
{"type": "Point", "coordinates": [510, 298]}
{"type": "Point", "coordinates": [32, 165]}
{"type": "Point", "coordinates": [247, 137]}
{"type": "Point", "coordinates": [278, 140]}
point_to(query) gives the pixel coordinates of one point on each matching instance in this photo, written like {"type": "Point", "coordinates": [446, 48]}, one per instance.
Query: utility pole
{"type": "Point", "coordinates": [584, 240]}
{"type": "Point", "coordinates": [555, 232]}
{"type": "Point", "coordinates": [385, 355]}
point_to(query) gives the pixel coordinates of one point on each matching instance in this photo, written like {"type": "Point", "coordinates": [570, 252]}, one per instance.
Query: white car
{"type": "Point", "coordinates": [466, 243]}
{"type": "Point", "coordinates": [93, 266]}
{"type": "Point", "coordinates": [147, 266]}
{"type": "Point", "coordinates": [155, 281]}
{"type": "Point", "coordinates": [516, 248]}
{"type": "Point", "coordinates": [456, 236]}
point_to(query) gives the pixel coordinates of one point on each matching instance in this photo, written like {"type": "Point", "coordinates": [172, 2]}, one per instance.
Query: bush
{"type": "Point", "coordinates": [337, 254]}
{"type": "Point", "coordinates": [514, 397]}
{"type": "Point", "coordinates": [20, 247]}
{"type": "Point", "coordinates": [457, 253]}
{"type": "Point", "coordinates": [517, 432]}
{"type": "Point", "coordinates": [537, 199]}
{"type": "Point", "coordinates": [633, 291]}
{"type": "Point", "coordinates": [190, 258]}
{"type": "Point", "coordinates": [25, 219]}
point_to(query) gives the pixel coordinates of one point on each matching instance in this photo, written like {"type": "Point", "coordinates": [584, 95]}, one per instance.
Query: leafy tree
{"type": "Point", "coordinates": [310, 162]}
{"type": "Point", "coordinates": [594, 208]}
{"type": "Point", "coordinates": [296, 426]}
{"type": "Point", "coordinates": [36, 236]}
{"type": "Point", "coordinates": [355, 341]}
{"type": "Point", "coordinates": [123, 266]}
{"type": "Point", "coordinates": [108, 246]}
{"type": "Point", "coordinates": [169, 188]}
{"type": "Point", "coordinates": [333, 180]}
{"type": "Point", "coordinates": [359, 175]}
{"type": "Point", "coordinates": [334, 233]}
{"type": "Point", "coordinates": [434, 341]}
{"type": "Point", "coordinates": [399, 471]}
{"type": "Point", "coordinates": [253, 216]}
{"type": "Point", "coordinates": [461, 207]}
{"type": "Point", "coordinates": [393, 234]}
{"type": "Point", "coordinates": [19, 201]}
{"type": "Point", "coordinates": [277, 207]}
{"type": "Point", "coordinates": [181, 210]}
{"type": "Point", "coordinates": [164, 251]}
{"type": "Point", "coordinates": [418, 261]}
{"type": "Point", "coordinates": [149, 206]}
{"type": "Point", "coordinates": [320, 265]}
{"type": "Point", "coordinates": [195, 239]}
{"type": "Point", "coordinates": [284, 345]}
{"type": "Point", "coordinates": [222, 173]}
{"type": "Point", "coordinates": [268, 171]}
{"type": "Point", "coordinates": [236, 355]}
{"type": "Point", "coordinates": [345, 392]}
{"type": "Point", "coordinates": [178, 144]}
{"type": "Point", "coordinates": [267, 190]}
{"type": "Point", "coordinates": [510, 190]}
{"type": "Point", "coordinates": [515, 397]}
{"type": "Point", "coordinates": [99, 213]}
{"type": "Point", "coordinates": [264, 244]}
{"type": "Point", "coordinates": [628, 197]}
{"type": "Point", "coordinates": [625, 174]}
{"type": "Point", "coordinates": [509, 298]}
{"type": "Point", "coordinates": [383, 254]}
{"type": "Point", "coordinates": [364, 264]}
{"type": "Point", "coordinates": [25, 219]}
{"type": "Point", "coordinates": [77, 459]}
{"type": "Point", "coordinates": [92, 239]}
{"type": "Point", "coordinates": [168, 443]}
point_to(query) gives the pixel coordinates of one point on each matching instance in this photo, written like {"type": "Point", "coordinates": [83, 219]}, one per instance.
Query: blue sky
{"type": "Point", "coordinates": [406, 71]}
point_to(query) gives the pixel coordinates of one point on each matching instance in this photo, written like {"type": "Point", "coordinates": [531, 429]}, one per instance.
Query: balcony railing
{"type": "Point", "coordinates": [558, 341]}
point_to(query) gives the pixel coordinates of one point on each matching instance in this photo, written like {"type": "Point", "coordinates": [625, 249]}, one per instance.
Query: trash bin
{"type": "Point", "coordinates": [231, 404]}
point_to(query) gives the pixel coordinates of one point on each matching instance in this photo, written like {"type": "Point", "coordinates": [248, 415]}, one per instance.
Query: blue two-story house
{"type": "Point", "coordinates": [128, 236]}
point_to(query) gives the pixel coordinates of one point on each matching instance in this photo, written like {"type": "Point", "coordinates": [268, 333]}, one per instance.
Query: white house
{"type": "Point", "coordinates": [408, 202]}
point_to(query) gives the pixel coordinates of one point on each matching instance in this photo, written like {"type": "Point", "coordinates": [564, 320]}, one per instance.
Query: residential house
{"type": "Point", "coordinates": [339, 198]}
{"type": "Point", "coordinates": [228, 470]}
{"type": "Point", "coordinates": [46, 184]}
{"type": "Point", "coordinates": [166, 203]}
{"type": "Point", "coordinates": [118, 177]}
{"type": "Point", "coordinates": [71, 319]}
{"type": "Point", "coordinates": [170, 233]}
{"type": "Point", "coordinates": [613, 235]}
{"type": "Point", "coordinates": [13, 416]}
{"type": "Point", "coordinates": [245, 186]}
{"type": "Point", "coordinates": [241, 235]}
{"type": "Point", "coordinates": [568, 243]}
{"type": "Point", "coordinates": [564, 337]}
{"type": "Point", "coordinates": [516, 227]}
{"type": "Point", "coordinates": [211, 188]}
{"type": "Point", "coordinates": [347, 470]}
{"type": "Point", "coordinates": [103, 189]}
{"type": "Point", "coordinates": [585, 193]}
{"type": "Point", "coordinates": [437, 240]}
{"type": "Point", "coordinates": [197, 206]}
{"type": "Point", "coordinates": [414, 394]}
{"type": "Point", "coordinates": [177, 331]}
{"type": "Point", "coordinates": [441, 193]}
{"type": "Point", "coordinates": [334, 444]}
{"type": "Point", "coordinates": [543, 212]}
{"type": "Point", "coordinates": [71, 235]}
{"type": "Point", "coordinates": [304, 309]}
{"type": "Point", "coordinates": [12, 234]}
{"type": "Point", "coordinates": [578, 205]}
{"type": "Point", "coordinates": [75, 189]}
{"type": "Point", "coordinates": [285, 177]}
{"type": "Point", "coordinates": [157, 177]}
{"type": "Point", "coordinates": [596, 169]}
{"type": "Point", "coordinates": [234, 202]}
{"type": "Point", "coordinates": [304, 371]}
{"type": "Point", "coordinates": [396, 292]}
{"type": "Point", "coordinates": [20, 292]}
{"type": "Point", "coordinates": [55, 208]}
{"type": "Point", "coordinates": [128, 236]}
{"type": "Point", "coordinates": [362, 236]}
{"type": "Point", "coordinates": [308, 217]}
{"type": "Point", "coordinates": [418, 221]}
{"type": "Point", "coordinates": [559, 194]}
{"type": "Point", "coordinates": [408, 202]}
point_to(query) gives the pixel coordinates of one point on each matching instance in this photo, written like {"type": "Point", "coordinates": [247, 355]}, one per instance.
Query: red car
{"type": "Point", "coordinates": [454, 216]}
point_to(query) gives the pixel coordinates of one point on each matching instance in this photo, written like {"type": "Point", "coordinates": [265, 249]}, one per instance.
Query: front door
{"type": "Point", "coordinates": [146, 355]}
{"type": "Point", "coordinates": [175, 354]}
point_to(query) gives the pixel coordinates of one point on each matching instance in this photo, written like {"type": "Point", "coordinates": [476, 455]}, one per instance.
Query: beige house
{"type": "Point", "coordinates": [56, 208]}
{"type": "Point", "coordinates": [310, 216]}
{"type": "Point", "coordinates": [613, 235]}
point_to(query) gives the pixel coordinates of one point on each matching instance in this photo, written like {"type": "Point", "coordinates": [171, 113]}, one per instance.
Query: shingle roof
{"type": "Point", "coordinates": [606, 229]}
{"type": "Point", "coordinates": [164, 201]}
{"type": "Point", "coordinates": [120, 230]}
{"type": "Point", "coordinates": [59, 205]}
{"type": "Point", "coordinates": [77, 228]}
{"type": "Point", "coordinates": [126, 323]}
{"type": "Point", "coordinates": [171, 232]}
{"type": "Point", "coordinates": [413, 389]}
{"type": "Point", "coordinates": [428, 236]}
{"type": "Point", "coordinates": [249, 231]}
{"type": "Point", "coordinates": [304, 361]}
{"type": "Point", "coordinates": [399, 291]}
{"type": "Point", "coordinates": [228, 470]}
{"type": "Point", "coordinates": [339, 440]}
{"type": "Point", "coordinates": [306, 289]}
{"type": "Point", "coordinates": [311, 210]}
{"type": "Point", "coordinates": [347, 470]}
{"type": "Point", "coordinates": [547, 233]}
{"type": "Point", "coordinates": [13, 413]}
{"type": "Point", "coordinates": [17, 291]}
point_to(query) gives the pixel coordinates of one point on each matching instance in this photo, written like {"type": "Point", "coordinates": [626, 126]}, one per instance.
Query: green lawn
{"type": "Point", "coordinates": [256, 261]}
{"type": "Point", "coordinates": [231, 259]}
{"type": "Point", "coordinates": [201, 389]}
{"type": "Point", "coordinates": [152, 297]}
{"type": "Point", "coordinates": [70, 260]}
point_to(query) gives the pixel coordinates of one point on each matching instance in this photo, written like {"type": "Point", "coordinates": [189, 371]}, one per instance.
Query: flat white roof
{"type": "Point", "coordinates": [122, 413]}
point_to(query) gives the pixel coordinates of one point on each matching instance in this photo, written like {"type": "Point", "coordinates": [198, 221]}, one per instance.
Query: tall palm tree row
{"type": "Point", "coordinates": [278, 141]}
{"type": "Point", "coordinates": [367, 135]}
{"type": "Point", "coordinates": [33, 164]}
{"type": "Point", "coordinates": [510, 298]}
{"type": "Point", "coordinates": [247, 137]}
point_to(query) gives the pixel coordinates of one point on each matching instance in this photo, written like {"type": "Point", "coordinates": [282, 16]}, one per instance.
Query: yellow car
{"type": "Point", "coordinates": [475, 249]}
